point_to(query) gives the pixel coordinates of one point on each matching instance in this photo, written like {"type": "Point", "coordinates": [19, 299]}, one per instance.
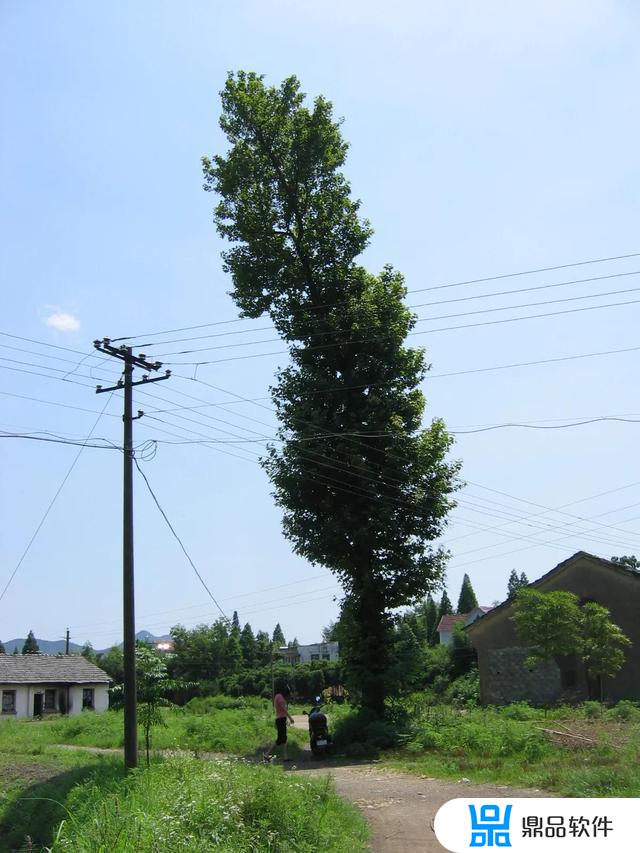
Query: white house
{"type": "Point", "coordinates": [448, 622]}
{"type": "Point", "coordinates": [38, 685]}
{"type": "Point", "coordinates": [313, 651]}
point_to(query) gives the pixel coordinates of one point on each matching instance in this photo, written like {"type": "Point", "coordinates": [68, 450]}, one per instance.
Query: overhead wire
{"type": "Point", "coordinates": [530, 271]}
{"type": "Point", "coordinates": [52, 502]}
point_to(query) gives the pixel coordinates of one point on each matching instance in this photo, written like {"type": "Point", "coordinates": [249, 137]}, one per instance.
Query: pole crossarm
{"type": "Point", "coordinates": [144, 381]}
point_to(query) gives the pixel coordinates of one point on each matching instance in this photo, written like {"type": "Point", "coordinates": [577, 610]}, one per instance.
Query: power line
{"type": "Point", "coordinates": [366, 340]}
{"type": "Point", "coordinates": [171, 528]}
{"type": "Point", "coordinates": [415, 290]}
{"type": "Point", "coordinates": [52, 502]}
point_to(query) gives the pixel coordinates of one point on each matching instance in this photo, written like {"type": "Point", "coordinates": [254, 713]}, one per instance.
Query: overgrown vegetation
{"type": "Point", "coordinates": [182, 804]}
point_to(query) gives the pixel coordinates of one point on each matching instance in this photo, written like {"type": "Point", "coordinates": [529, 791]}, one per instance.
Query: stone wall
{"type": "Point", "coordinates": [507, 678]}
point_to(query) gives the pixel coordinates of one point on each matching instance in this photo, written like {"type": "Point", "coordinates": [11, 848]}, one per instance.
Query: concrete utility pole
{"type": "Point", "coordinates": [125, 354]}
{"type": "Point", "coordinates": [66, 643]}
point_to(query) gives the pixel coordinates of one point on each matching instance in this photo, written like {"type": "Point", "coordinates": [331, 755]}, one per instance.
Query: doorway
{"type": "Point", "coordinates": [37, 704]}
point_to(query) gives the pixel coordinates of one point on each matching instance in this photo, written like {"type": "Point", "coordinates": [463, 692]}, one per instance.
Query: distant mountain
{"type": "Point", "coordinates": [54, 647]}
{"type": "Point", "coordinates": [47, 647]}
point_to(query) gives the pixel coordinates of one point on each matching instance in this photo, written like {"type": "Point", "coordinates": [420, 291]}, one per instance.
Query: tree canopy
{"type": "Point", "coordinates": [364, 487]}
{"type": "Point", "coordinates": [516, 582]}
{"type": "Point", "coordinates": [467, 599]}
{"type": "Point", "coordinates": [30, 646]}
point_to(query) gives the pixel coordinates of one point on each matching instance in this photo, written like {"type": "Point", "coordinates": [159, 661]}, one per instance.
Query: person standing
{"type": "Point", "coordinates": [282, 715]}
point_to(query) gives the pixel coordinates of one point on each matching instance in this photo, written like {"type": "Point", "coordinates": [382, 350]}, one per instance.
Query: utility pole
{"type": "Point", "coordinates": [66, 643]}
{"type": "Point", "coordinates": [125, 354]}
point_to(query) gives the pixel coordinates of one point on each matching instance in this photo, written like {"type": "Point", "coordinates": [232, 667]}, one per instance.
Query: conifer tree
{"type": "Point", "coordinates": [30, 646]}
{"type": "Point", "coordinates": [431, 621]}
{"type": "Point", "coordinates": [445, 607]}
{"type": "Point", "coordinates": [467, 599]}
{"type": "Point", "coordinates": [515, 583]}
{"type": "Point", "coordinates": [278, 636]}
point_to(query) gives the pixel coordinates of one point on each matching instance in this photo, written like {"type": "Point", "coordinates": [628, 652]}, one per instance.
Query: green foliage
{"type": "Point", "coordinates": [464, 692]}
{"type": "Point", "coordinates": [30, 645]}
{"type": "Point", "coordinates": [2, 649]}
{"type": "Point", "coordinates": [185, 805]}
{"type": "Point", "coordinates": [462, 655]}
{"type": "Point", "coordinates": [295, 231]}
{"type": "Point", "coordinates": [278, 638]}
{"type": "Point", "coordinates": [625, 710]}
{"type": "Point", "coordinates": [631, 562]}
{"type": "Point", "coordinates": [603, 642]}
{"type": "Point", "coordinates": [516, 583]}
{"type": "Point", "coordinates": [548, 623]}
{"type": "Point", "coordinates": [445, 607]}
{"type": "Point", "coordinates": [467, 599]}
{"type": "Point", "coordinates": [592, 710]}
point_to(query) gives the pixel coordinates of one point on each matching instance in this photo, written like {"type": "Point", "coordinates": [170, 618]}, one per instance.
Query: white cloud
{"type": "Point", "coordinates": [62, 322]}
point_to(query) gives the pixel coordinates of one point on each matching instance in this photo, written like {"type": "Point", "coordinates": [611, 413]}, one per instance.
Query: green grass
{"type": "Point", "coordinates": [507, 746]}
{"type": "Point", "coordinates": [182, 804]}
{"type": "Point", "coordinates": [207, 726]}
{"type": "Point", "coordinates": [33, 790]}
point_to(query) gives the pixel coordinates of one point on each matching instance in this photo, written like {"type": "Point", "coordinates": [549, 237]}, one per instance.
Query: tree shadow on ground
{"type": "Point", "coordinates": [30, 821]}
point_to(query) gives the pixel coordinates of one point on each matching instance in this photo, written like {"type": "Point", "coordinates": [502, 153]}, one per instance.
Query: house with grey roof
{"type": "Point", "coordinates": [39, 685]}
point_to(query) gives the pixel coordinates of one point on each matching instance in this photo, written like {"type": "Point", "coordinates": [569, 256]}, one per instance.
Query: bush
{"type": "Point", "coordinates": [592, 710]}
{"type": "Point", "coordinates": [464, 692]}
{"type": "Point", "coordinates": [625, 710]}
{"type": "Point", "coordinates": [520, 711]}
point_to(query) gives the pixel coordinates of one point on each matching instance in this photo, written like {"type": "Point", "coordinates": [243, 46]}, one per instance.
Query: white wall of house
{"type": "Point", "coordinates": [25, 694]}
{"type": "Point", "coordinates": [313, 651]}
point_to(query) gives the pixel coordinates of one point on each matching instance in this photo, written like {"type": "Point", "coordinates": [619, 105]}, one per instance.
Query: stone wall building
{"type": "Point", "coordinates": [504, 674]}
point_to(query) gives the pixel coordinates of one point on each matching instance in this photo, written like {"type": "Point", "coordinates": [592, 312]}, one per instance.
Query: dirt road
{"type": "Point", "coordinates": [400, 808]}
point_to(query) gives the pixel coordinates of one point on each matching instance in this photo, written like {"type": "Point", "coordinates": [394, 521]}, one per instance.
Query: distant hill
{"type": "Point", "coordinates": [47, 647]}
{"type": "Point", "coordinates": [54, 647]}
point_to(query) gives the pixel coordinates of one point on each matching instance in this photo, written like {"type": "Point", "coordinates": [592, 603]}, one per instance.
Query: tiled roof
{"type": "Point", "coordinates": [616, 567]}
{"type": "Point", "coordinates": [45, 669]}
{"type": "Point", "coordinates": [449, 620]}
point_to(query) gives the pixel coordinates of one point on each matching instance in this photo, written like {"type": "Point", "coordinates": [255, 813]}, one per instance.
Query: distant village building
{"type": "Point", "coordinates": [314, 651]}
{"type": "Point", "coordinates": [163, 646]}
{"type": "Point", "coordinates": [448, 622]}
{"type": "Point", "coordinates": [505, 675]}
{"type": "Point", "coordinates": [38, 685]}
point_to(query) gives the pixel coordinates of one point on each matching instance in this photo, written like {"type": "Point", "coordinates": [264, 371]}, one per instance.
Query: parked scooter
{"type": "Point", "coordinates": [319, 737]}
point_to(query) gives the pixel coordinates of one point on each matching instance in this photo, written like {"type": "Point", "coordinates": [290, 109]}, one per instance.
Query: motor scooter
{"type": "Point", "coordinates": [319, 737]}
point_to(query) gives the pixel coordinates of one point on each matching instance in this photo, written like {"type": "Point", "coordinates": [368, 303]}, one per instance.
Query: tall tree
{"type": "Point", "coordinates": [235, 623]}
{"type": "Point", "coordinates": [603, 643]}
{"type": "Point", "coordinates": [3, 651]}
{"type": "Point", "coordinates": [467, 599]}
{"type": "Point", "coordinates": [363, 487]}
{"type": "Point", "coordinates": [30, 646]}
{"type": "Point", "coordinates": [248, 645]}
{"type": "Point", "coordinates": [278, 636]}
{"type": "Point", "coordinates": [515, 583]}
{"type": "Point", "coordinates": [431, 620]}
{"type": "Point", "coordinates": [445, 607]}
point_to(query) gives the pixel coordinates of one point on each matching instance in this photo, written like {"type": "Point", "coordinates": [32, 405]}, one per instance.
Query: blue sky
{"type": "Point", "coordinates": [485, 139]}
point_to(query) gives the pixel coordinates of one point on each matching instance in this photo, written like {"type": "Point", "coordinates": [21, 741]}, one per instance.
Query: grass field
{"type": "Point", "coordinates": [581, 752]}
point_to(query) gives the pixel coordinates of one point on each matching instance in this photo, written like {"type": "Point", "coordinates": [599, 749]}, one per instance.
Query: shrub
{"type": "Point", "coordinates": [625, 710]}
{"type": "Point", "coordinates": [520, 711]}
{"type": "Point", "coordinates": [592, 710]}
{"type": "Point", "coordinates": [464, 692]}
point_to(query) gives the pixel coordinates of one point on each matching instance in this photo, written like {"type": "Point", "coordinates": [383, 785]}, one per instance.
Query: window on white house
{"type": "Point", "coordinates": [50, 700]}
{"type": "Point", "coordinates": [88, 698]}
{"type": "Point", "coordinates": [326, 657]}
{"type": "Point", "coordinates": [8, 701]}
{"type": "Point", "coordinates": [315, 657]}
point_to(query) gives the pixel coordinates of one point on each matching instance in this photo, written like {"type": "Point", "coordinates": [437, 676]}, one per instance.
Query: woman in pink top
{"type": "Point", "coordinates": [282, 713]}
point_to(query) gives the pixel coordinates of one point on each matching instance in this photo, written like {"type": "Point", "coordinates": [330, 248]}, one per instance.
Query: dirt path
{"type": "Point", "coordinates": [401, 808]}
